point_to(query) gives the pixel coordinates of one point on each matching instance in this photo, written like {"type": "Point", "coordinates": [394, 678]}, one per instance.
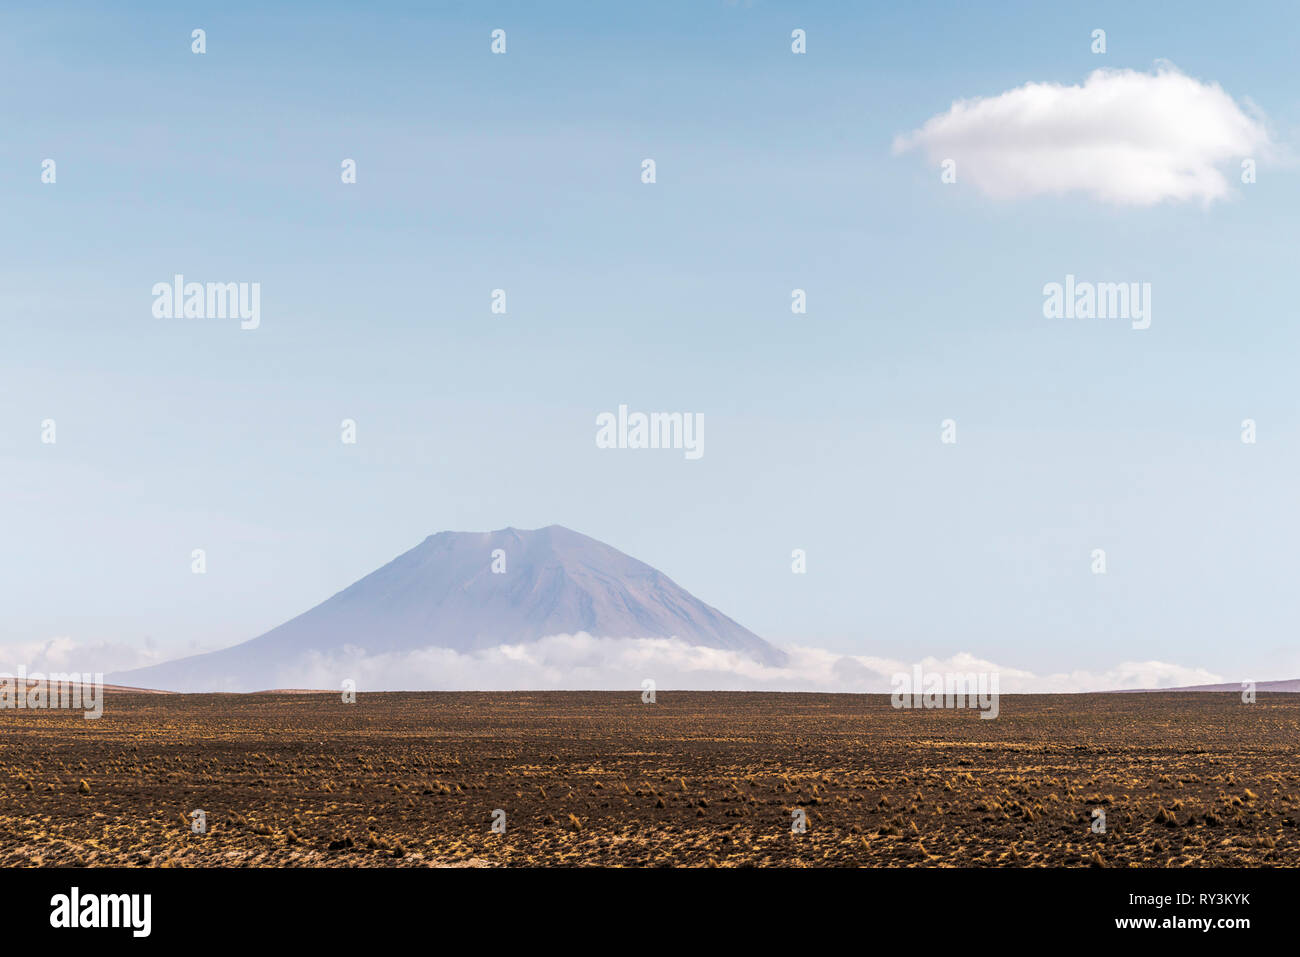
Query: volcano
{"type": "Point", "coordinates": [468, 592]}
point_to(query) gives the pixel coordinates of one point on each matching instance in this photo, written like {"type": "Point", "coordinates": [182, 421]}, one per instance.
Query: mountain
{"type": "Point", "coordinates": [1284, 685]}
{"type": "Point", "coordinates": [444, 594]}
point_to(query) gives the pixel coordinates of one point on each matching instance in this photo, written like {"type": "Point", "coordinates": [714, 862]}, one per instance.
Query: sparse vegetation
{"type": "Point", "coordinates": [403, 780]}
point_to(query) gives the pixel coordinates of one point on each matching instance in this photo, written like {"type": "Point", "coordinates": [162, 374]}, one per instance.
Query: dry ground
{"type": "Point", "coordinates": [695, 779]}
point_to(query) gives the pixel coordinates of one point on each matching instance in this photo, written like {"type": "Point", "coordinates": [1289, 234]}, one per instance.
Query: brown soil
{"type": "Point", "coordinates": [694, 779]}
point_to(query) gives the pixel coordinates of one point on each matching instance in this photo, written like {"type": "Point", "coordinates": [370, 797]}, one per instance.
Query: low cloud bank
{"type": "Point", "coordinates": [63, 654]}
{"type": "Point", "coordinates": [583, 662]}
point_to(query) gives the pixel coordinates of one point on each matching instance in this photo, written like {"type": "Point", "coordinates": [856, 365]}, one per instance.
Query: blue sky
{"type": "Point", "coordinates": [522, 172]}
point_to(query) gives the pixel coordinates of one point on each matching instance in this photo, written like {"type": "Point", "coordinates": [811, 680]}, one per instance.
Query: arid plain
{"type": "Point", "coordinates": [694, 779]}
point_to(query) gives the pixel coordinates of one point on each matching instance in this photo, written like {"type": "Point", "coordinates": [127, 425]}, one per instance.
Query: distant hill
{"type": "Point", "coordinates": [1292, 684]}
{"type": "Point", "coordinates": [444, 594]}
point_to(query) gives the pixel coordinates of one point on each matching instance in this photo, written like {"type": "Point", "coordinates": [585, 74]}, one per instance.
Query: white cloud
{"type": "Point", "coordinates": [582, 662]}
{"type": "Point", "coordinates": [1125, 137]}
{"type": "Point", "coordinates": [64, 655]}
